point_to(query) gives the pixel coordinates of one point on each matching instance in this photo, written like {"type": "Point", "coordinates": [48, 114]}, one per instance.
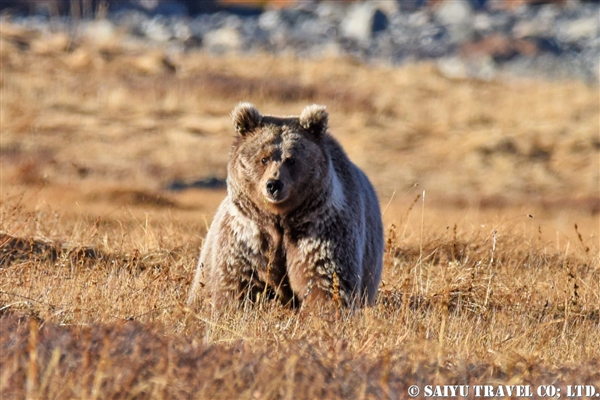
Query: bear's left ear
{"type": "Point", "coordinates": [314, 119]}
{"type": "Point", "coordinates": [245, 118]}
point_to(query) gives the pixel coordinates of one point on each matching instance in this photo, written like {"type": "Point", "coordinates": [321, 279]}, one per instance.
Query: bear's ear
{"type": "Point", "coordinates": [314, 119]}
{"type": "Point", "coordinates": [245, 118]}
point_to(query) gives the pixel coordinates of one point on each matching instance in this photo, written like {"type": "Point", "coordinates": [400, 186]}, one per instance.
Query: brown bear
{"type": "Point", "coordinates": [300, 222]}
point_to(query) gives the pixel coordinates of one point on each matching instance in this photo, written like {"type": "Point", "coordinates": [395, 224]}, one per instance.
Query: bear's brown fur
{"type": "Point", "coordinates": [300, 221]}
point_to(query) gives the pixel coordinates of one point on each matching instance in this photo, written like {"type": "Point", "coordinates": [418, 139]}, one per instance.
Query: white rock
{"type": "Point", "coordinates": [583, 28]}
{"type": "Point", "coordinates": [182, 31]}
{"type": "Point", "coordinates": [453, 68]}
{"type": "Point", "coordinates": [456, 68]}
{"type": "Point", "coordinates": [100, 31]}
{"type": "Point", "coordinates": [223, 40]}
{"type": "Point", "coordinates": [482, 22]}
{"type": "Point", "coordinates": [360, 22]}
{"type": "Point", "coordinates": [457, 15]}
{"type": "Point", "coordinates": [157, 31]}
{"type": "Point", "coordinates": [269, 20]}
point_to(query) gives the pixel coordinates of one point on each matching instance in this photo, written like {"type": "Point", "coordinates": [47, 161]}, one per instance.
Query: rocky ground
{"type": "Point", "coordinates": [464, 38]}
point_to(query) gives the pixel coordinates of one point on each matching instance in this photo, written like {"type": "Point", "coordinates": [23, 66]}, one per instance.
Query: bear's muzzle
{"type": "Point", "coordinates": [274, 189]}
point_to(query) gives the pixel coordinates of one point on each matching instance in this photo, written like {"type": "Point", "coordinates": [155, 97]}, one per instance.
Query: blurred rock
{"type": "Point", "coordinates": [101, 31]}
{"type": "Point", "coordinates": [545, 37]}
{"type": "Point", "coordinates": [363, 21]}
{"type": "Point", "coordinates": [532, 28]}
{"type": "Point", "coordinates": [581, 29]}
{"type": "Point", "coordinates": [482, 68]}
{"type": "Point", "coordinates": [222, 40]}
{"type": "Point", "coordinates": [330, 12]}
{"type": "Point", "coordinates": [130, 21]}
{"type": "Point", "coordinates": [269, 20]}
{"type": "Point", "coordinates": [181, 31]}
{"type": "Point", "coordinates": [157, 29]}
{"type": "Point", "coordinates": [457, 16]}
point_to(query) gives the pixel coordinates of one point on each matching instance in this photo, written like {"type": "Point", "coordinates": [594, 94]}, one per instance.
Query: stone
{"type": "Point", "coordinates": [363, 21]}
{"type": "Point", "coordinates": [456, 68]}
{"type": "Point", "coordinates": [581, 29]}
{"type": "Point", "coordinates": [222, 40]}
{"type": "Point", "coordinates": [100, 31]}
{"type": "Point", "coordinates": [457, 16]}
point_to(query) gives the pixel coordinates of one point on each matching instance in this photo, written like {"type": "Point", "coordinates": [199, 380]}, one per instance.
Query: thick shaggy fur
{"type": "Point", "coordinates": [300, 221]}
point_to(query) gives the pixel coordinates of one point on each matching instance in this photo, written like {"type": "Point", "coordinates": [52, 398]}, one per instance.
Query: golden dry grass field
{"type": "Point", "coordinates": [490, 199]}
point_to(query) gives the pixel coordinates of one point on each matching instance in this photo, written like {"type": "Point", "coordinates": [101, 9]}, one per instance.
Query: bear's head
{"type": "Point", "coordinates": [278, 162]}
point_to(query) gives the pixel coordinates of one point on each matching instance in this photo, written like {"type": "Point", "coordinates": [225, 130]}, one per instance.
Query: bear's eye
{"type": "Point", "coordinates": [265, 161]}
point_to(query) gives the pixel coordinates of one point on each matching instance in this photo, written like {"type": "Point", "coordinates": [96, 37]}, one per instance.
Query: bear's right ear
{"type": "Point", "coordinates": [245, 118]}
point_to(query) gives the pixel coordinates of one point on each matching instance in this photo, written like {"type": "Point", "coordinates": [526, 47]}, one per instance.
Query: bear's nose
{"type": "Point", "coordinates": [274, 186]}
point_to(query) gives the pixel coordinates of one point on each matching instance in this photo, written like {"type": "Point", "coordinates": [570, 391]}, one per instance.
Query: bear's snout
{"type": "Point", "coordinates": [274, 188]}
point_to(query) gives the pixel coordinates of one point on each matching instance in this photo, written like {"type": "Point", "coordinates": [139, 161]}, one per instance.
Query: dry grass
{"type": "Point", "coordinates": [143, 113]}
{"type": "Point", "coordinates": [467, 306]}
{"type": "Point", "coordinates": [96, 260]}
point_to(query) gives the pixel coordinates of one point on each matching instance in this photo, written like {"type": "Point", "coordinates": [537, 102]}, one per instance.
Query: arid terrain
{"type": "Point", "coordinates": [489, 191]}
